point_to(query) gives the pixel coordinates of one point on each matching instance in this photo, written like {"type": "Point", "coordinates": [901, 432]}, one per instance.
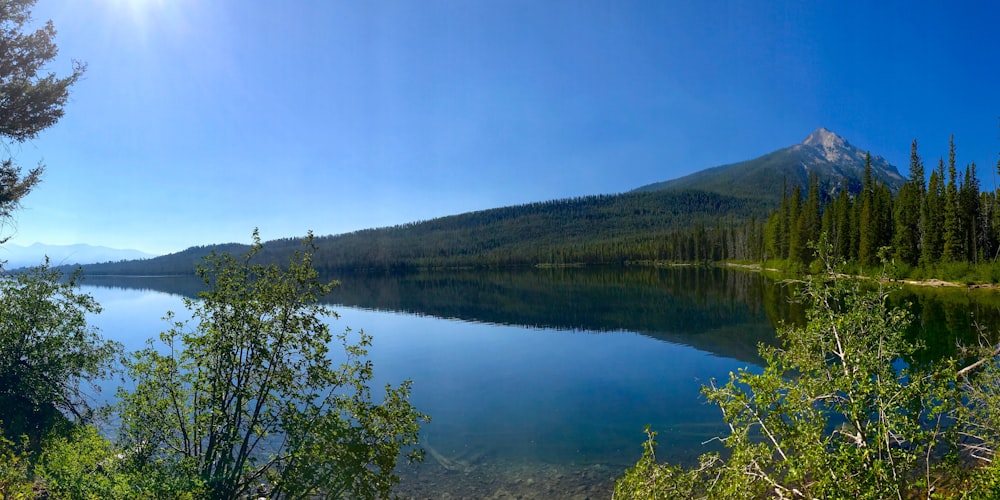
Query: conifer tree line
{"type": "Point", "coordinates": [940, 219]}
{"type": "Point", "coordinates": [943, 219]}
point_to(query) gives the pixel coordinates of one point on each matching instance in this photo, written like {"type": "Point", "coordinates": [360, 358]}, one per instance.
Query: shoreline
{"type": "Point", "coordinates": [932, 282]}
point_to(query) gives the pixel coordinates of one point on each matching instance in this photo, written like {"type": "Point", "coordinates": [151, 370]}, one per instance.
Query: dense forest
{"type": "Point", "coordinates": [929, 224]}
{"type": "Point", "coordinates": [604, 229]}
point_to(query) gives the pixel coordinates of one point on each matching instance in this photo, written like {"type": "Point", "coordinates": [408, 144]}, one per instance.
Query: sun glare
{"type": "Point", "coordinates": [149, 16]}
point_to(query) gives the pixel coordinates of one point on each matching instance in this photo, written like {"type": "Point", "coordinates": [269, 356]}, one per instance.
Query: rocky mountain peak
{"type": "Point", "coordinates": [833, 146]}
{"type": "Point", "coordinates": [824, 138]}
{"type": "Point", "coordinates": [836, 162]}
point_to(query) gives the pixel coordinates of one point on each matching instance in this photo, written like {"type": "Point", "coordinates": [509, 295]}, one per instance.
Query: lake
{"type": "Point", "coordinates": [539, 382]}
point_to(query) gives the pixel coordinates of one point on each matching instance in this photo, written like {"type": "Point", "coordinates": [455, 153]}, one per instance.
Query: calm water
{"type": "Point", "coordinates": [539, 382]}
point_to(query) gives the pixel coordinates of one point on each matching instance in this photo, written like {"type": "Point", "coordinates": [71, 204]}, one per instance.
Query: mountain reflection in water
{"type": "Point", "coordinates": [711, 309]}
{"type": "Point", "coordinates": [541, 387]}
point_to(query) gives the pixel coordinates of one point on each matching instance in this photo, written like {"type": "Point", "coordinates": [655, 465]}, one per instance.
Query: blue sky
{"type": "Point", "coordinates": [199, 120]}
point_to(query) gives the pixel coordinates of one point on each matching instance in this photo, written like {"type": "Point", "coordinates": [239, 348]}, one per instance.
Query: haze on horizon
{"type": "Point", "coordinates": [198, 121]}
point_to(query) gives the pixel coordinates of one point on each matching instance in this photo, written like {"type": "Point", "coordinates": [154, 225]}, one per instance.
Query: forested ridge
{"type": "Point", "coordinates": [939, 225]}
{"type": "Point", "coordinates": [601, 229]}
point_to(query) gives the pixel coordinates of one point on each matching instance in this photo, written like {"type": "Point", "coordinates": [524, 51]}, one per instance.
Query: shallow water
{"type": "Point", "coordinates": [539, 383]}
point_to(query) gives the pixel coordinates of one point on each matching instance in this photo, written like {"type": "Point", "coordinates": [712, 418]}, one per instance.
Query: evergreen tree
{"type": "Point", "coordinates": [772, 237]}
{"type": "Point", "coordinates": [970, 212]}
{"type": "Point", "coordinates": [867, 212]}
{"type": "Point", "coordinates": [828, 221]}
{"type": "Point", "coordinates": [809, 222]}
{"type": "Point", "coordinates": [843, 232]}
{"type": "Point", "coordinates": [994, 221]}
{"type": "Point", "coordinates": [932, 214]}
{"type": "Point", "coordinates": [954, 238]}
{"type": "Point", "coordinates": [987, 227]}
{"type": "Point", "coordinates": [32, 98]}
{"type": "Point", "coordinates": [783, 223]}
{"type": "Point", "coordinates": [796, 245]}
{"type": "Point", "coordinates": [883, 217]}
{"type": "Point", "coordinates": [907, 238]}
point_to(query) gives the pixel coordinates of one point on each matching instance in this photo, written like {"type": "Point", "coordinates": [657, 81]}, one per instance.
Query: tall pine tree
{"type": "Point", "coordinates": [867, 214]}
{"type": "Point", "coordinates": [968, 204]}
{"type": "Point", "coordinates": [795, 241]}
{"type": "Point", "coordinates": [954, 236]}
{"type": "Point", "coordinates": [932, 213]}
{"type": "Point", "coordinates": [843, 233]}
{"type": "Point", "coordinates": [808, 226]}
{"type": "Point", "coordinates": [907, 237]}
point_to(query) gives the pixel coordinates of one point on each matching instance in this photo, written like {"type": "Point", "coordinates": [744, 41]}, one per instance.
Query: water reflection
{"type": "Point", "coordinates": [541, 380]}
{"type": "Point", "coordinates": [714, 310]}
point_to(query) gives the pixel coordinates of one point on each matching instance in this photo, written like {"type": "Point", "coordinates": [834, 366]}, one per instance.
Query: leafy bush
{"type": "Point", "coordinates": [47, 352]}
{"type": "Point", "coordinates": [247, 400]}
{"type": "Point", "coordinates": [832, 415]}
{"type": "Point", "coordinates": [14, 482]}
{"type": "Point", "coordinates": [83, 465]}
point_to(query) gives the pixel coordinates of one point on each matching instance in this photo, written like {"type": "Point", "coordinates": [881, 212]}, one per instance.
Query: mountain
{"type": "Point", "coordinates": [717, 213]}
{"type": "Point", "coordinates": [33, 255]}
{"type": "Point", "coordinates": [824, 153]}
{"type": "Point", "coordinates": [590, 229]}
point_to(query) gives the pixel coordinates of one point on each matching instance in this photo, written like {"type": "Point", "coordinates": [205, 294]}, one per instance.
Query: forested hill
{"type": "Point", "coordinates": [591, 229]}
{"type": "Point", "coordinates": [714, 214]}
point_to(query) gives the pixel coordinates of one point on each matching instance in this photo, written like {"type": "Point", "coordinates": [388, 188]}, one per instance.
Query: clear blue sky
{"type": "Point", "coordinates": [201, 119]}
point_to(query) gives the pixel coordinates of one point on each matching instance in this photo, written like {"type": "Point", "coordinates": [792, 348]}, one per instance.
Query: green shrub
{"type": "Point", "coordinates": [82, 465]}
{"type": "Point", "coordinates": [830, 416]}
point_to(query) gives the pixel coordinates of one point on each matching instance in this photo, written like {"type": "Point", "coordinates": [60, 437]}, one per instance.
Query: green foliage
{"type": "Point", "coordinates": [954, 243]}
{"type": "Point", "coordinates": [605, 229]}
{"type": "Point", "coordinates": [984, 483]}
{"type": "Point", "coordinates": [906, 239]}
{"type": "Point", "coordinates": [980, 415]}
{"type": "Point", "coordinates": [932, 218]}
{"type": "Point", "coordinates": [249, 398]}
{"type": "Point", "coordinates": [14, 482]}
{"type": "Point", "coordinates": [47, 351]}
{"type": "Point", "coordinates": [83, 465]}
{"type": "Point", "coordinates": [944, 229]}
{"type": "Point", "coordinates": [957, 272]}
{"type": "Point", "coordinates": [652, 480]}
{"type": "Point", "coordinates": [831, 415]}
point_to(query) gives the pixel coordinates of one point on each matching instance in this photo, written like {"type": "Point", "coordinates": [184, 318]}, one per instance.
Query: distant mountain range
{"type": "Point", "coordinates": [834, 160]}
{"type": "Point", "coordinates": [720, 209]}
{"type": "Point", "coordinates": [18, 256]}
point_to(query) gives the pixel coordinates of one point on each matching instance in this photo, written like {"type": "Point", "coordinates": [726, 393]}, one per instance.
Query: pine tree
{"type": "Point", "coordinates": [987, 228]}
{"type": "Point", "coordinates": [907, 238]}
{"type": "Point", "coordinates": [995, 221]}
{"type": "Point", "coordinates": [867, 213]}
{"type": "Point", "coordinates": [932, 212]}
{"type": "Point", "coordinates": [970, 212]}
{"type": "Point", "coordinates": [954, 237]}
{"type": "Point", "coordinates": [843, 233]}
{"type": "Point", "coordinates": [31, 96]}
{"type": "Point", "coordinates": [784, 215]}
{"type": "Point", "coordinates": [883, 216]}
{"type": "Point", "coordinates": [809, 221]}
{"type": "Point", "coordinates": [828, 221]}
{"type": "Point", "coordinates": [772, 243]}
{"type": "Point", "coordinates": [796, 244]}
